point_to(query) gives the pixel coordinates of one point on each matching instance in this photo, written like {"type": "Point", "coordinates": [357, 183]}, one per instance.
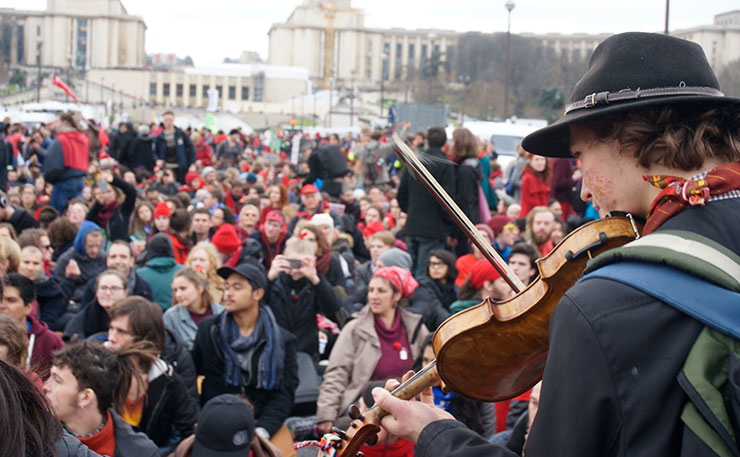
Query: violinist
{"type": "Point", "coordinates": [610, 384]}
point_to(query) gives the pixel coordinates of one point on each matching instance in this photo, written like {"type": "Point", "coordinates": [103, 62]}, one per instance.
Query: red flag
{"type": "Point", "coordinates": [58, 82]}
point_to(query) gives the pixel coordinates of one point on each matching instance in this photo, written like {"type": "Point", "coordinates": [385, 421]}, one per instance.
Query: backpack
{"type": "Point", "coordinates": [371, 162]}
{"type": "Point", "coordinates": [696, 268]}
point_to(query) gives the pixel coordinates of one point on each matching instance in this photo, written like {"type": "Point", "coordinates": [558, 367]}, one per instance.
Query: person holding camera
{"type": "Point", "coordinates": [297, 292]}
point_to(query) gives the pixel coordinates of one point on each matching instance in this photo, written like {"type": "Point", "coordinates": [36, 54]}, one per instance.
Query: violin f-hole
{"type": "Point", "coordinates": [603, 240]}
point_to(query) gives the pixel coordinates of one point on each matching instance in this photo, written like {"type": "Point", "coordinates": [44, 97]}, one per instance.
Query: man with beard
{"type": "Point", "coordinates": [540, 223]}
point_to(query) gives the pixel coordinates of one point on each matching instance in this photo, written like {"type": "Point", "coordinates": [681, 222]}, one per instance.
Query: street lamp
{"type": "Point", "coordinates": [509, 6]}
{"type": "Point", "coordinates": [39, 42]}
{"type": "Point", "coordinates": [384, 57]}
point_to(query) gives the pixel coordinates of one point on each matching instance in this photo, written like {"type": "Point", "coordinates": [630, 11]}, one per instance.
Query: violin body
{"type": "Point", "coordinates": [496, 351]}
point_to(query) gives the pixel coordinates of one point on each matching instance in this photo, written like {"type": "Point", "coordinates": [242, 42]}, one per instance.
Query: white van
{"type": "Point", "coordinates": [504, 135]}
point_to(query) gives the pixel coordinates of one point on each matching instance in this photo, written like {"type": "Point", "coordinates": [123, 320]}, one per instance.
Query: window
{"type": "Point", "coordinates": [205, 90]}
{"type": "Point", "coordinates": [192, 90]}
{"type": "Point", "coordinates": [423, 58]}
{"type": "Point", "coordinates": [152, 89]}
{"type": "Point", "coordinates": [19, 50]}
{"type": "Point", "coordinates": [369, 46]}
{"type": "Point", "coordinates": [166, 89]}
{"type": "Point", "coordinates": [81, 45]}
{"type": "Point", "coordinates": [232, 92]}
{"type": "Point", "coordinates": [411, 54]}
{"type": "Point", "coordinates": [245, 93]}
{"type": "Point", "coordinates": [399, 51]}
{"type": "Point", "coordinates": [220, 90]}
{"type": "Point", "coordinates": [178, 90]}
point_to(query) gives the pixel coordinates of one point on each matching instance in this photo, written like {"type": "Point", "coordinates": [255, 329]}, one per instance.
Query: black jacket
{"type": "Point", "coordinates": [295, 304]}
{"type": "Point", "coordinates": [119, 221]}
{"type": "Point", "coordinates": [167, 408]}
{"type": "Point", "coordinates": [326, 163]}
{"type": "Point", "coordinates": [90, 268]}
{"type": "Point", "coordinates": [468, 176]}
{"type": "Point", "coordinates": [140, 154]}
{"type": "Point", "coordinates": [177, 355]}
{"type": "Point", "coordinates": [51, 300]}
{"type": "Point", "coordinates": [426, 218]}
{"type": "Point", "coordinates": [609, 386]}
{"type": "Point", "coordinates": [91, 319]}
{"type": "Point", "coordinates": [120, 143]}
{"type": "Point", "coordinates": [21, 220]}
{"type": "Point", "coordinates": [446, 294]}
{"type": "Point", "coordinates": [271, 407]}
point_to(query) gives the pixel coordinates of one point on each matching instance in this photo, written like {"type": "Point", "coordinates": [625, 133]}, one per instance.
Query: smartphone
{"type": "Point", "coordinates": [295, 264]}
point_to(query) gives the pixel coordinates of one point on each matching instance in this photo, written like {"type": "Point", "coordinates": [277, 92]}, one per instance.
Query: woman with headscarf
{"type": "Point", "coordinates": [382, 342]}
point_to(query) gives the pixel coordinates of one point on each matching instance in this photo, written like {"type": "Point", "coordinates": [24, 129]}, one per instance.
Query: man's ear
{"type": "Point", "coordinates": [86, 397]}
{"type": "Point", "coordinates": [258, 294]}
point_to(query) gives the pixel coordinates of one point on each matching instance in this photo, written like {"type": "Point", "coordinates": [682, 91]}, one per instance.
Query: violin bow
{"type": "Point", "coordinates": [412, 161]}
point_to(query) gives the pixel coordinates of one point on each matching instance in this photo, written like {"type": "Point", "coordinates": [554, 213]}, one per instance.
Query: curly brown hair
{"type": "Point", "coordinates": [680, 137]}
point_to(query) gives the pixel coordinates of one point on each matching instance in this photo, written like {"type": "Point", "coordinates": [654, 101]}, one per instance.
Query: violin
{"type": "Point", "coordinates": [494, 351]}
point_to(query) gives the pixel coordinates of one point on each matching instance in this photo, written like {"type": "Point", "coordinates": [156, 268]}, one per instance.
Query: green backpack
{"type": "Point", "coordinates": [695, 267]}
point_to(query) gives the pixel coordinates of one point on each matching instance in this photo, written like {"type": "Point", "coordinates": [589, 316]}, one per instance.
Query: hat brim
{"type": "Point", "coordinates": [554, 140]}
{"type": "Point", "coordinates": [201, 451]}
{"type": "Point", "coordinates": [225, 272]}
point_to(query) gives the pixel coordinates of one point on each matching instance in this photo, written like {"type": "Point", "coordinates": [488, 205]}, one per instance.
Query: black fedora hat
{"type": "Point", "coordinates": [628, 71]}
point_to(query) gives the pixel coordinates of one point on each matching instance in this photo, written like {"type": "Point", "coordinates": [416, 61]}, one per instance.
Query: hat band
{"type": "Point", "coordinates": [605, 98]}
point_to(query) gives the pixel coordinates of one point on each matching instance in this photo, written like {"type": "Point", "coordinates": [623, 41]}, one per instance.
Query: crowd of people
{"type": "Point", "coordinates": [211, 264]}
{"type": "Point", "coordinates": [180, 292]}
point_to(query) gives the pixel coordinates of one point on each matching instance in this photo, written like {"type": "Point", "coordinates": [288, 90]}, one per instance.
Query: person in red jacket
{"type": "Point", "coordinates": [535, 183]}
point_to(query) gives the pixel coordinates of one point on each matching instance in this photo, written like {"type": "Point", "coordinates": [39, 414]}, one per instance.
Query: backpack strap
{"type": "Point", "coordinates": [706, 302]}
{"type": "Point", "coordinates": [685, 251]}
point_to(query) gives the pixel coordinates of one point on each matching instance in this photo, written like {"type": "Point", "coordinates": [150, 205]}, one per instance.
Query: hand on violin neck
{"type": "Point", "coordinates": [407, 418]}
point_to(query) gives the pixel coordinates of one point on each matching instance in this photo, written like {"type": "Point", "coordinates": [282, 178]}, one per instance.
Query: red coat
{"type": "Point", "coordinates": [44, 343]}
{"type": "Point", "coordinates": [203, 153]}
{"type": "Point", "coordinates": [535, 192]}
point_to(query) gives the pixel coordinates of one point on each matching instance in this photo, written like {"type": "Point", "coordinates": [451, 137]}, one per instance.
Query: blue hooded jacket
{"type": "Point", "coordinates": [85, 228]}
{"type": "Point", "coordinates": [73, 287]}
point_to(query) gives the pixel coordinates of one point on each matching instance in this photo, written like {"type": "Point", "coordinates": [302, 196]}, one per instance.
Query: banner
{"type": "Point", "coordinates": [59, 83]}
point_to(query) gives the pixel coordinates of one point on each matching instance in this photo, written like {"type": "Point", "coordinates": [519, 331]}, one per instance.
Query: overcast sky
{"type": "Point", "coordinates": [208, 31]}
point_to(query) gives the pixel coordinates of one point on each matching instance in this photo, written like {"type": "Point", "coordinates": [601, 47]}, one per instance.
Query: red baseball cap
{"type": "Point", "coordinates": [309, 189]}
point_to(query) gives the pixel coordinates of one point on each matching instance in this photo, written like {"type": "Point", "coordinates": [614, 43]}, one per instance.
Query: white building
{"type": "Point", "coordinates": [720, 41]}
{"type": "Point", "coordinates": [79, 34]}
{"type": "Point", "coordinates": [352, 51]}
{"type": "Point", "coordinates": [240, 86]}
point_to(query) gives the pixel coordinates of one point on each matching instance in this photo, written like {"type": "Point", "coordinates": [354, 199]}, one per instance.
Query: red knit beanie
{"type": "Point", "coordinates": [162, 210]}
{"type": "Point", "coordinates": [482, 271]}
{"type": "Point", "coordinates": [225, 239]}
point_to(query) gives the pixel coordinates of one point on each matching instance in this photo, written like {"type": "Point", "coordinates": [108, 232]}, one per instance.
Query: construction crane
{"type": "Point", "coordinates": [330, 8]}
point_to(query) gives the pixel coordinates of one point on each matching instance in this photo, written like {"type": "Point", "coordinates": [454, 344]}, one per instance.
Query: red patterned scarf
{"type": "Point", "coordinates": [679, 193]}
